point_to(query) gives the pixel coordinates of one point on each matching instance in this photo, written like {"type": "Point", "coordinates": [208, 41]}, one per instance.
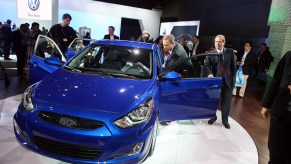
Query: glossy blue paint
{"type": "Point", "coordinates": [38, 69]}
{"type": "Point", "coordinates": [69, 54]}
{"type": "Point", "coordinates": [96, 92]}
{"type": "Point", "coordinates": [189, 98]}
{"type": "Point", "coordinates": [102, 97]}
{"type": "Point", "coordinates": [172, 76]}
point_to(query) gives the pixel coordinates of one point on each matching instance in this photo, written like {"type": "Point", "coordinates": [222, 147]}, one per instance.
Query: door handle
{"type": "Point", "coordinates": [212, 86]}
{"type": "Point", "coordinates": [34, 64]}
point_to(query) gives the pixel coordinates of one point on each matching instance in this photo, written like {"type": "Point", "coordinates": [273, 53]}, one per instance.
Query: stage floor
{"type": "Point", "coordinates": [180, 142]}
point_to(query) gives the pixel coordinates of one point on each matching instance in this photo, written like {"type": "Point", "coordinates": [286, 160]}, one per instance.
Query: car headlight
{"type": "Point", "coordinates": [27, 98]}
{"type": "Point", "coordinates": [139, 115]}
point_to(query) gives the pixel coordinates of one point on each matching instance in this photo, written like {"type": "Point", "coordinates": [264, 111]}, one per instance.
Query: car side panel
{"type": "Point", "coordinates": [38, 69]}
{"type": "Point", "coordinates": [189, 98]}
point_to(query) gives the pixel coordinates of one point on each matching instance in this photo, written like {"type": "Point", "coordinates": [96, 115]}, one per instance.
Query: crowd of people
{"type": "Point", "coordinates": [18, 40]}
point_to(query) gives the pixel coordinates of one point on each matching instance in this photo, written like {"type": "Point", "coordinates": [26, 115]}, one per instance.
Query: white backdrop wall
{"type": "Point", "coordinates": [9, 11]}
{"type": "Point", "coordinates": [92, 14]}
{"type": "Point", "coordinates": [99, 15]}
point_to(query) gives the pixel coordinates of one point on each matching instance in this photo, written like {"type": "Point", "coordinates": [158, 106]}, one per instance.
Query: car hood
{"type": "Point", "coordinates": [91, 91]}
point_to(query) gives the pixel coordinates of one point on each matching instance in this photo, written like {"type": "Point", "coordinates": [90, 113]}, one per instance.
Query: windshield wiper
{"type": "Point", "coordinates": [123, 75]}
{"type": "Point", "coordinates": [72, 69]}
{"type": "Point", "coordinates": [101, 72]}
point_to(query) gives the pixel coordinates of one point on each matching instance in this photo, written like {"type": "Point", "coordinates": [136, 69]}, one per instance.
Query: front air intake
{"type": "Point", "coordinates": [67, 149]}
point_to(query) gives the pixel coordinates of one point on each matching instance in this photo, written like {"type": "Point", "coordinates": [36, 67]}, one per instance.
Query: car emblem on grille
{"type": "Point", "coordinates": [33, 4]}
{"type": "Point", "coordinates": [67, 121]}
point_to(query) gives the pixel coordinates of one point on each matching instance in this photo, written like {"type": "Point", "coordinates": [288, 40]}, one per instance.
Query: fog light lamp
{"type": "Point", "coordinates": [17, 128]}
{"type": "Point", "coordinates": [136, 149]}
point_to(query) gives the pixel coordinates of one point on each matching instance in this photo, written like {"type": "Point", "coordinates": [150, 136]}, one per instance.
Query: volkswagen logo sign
{"type": "Point", "coordinates": [65, 121]}
{"type": "Point", "coordinates": [33, 4]}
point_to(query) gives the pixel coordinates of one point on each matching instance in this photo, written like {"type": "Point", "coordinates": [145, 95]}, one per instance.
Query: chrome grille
{"type": "Point", "coordinates": [66, 149]}
{"type": "Point", "coordinates": [70, 121]}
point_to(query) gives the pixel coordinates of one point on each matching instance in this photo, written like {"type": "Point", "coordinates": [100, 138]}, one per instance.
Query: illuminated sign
{"type": "Point", "coordinates": [35, 9]}
{"type": "Point", "coordinates": [33, 5]}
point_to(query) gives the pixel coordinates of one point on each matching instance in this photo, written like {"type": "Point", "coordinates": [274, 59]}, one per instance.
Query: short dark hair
{"type": "Point", "coordinates": [264, 44]}
{"type": "Point", "coordinates": [67, 16]}
{"type": "Point", "coordinates": [183, 38]}
{"type": "Point", "coordinates": [196, 36]}
{"type": "Point", "coordinates": [112, 27]}
{"type": "Point", "coordinates": [250, 43]}
{"type": "Point", "coordinates": [34, 24]}
{"type": "Point", "coordinates": [158, 39]}
{"type": "Point", "coordinates": [23, 25]}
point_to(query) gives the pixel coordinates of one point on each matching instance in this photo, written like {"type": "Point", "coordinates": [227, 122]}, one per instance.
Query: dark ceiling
{"type": "Point", "coordinates": [145, 4]}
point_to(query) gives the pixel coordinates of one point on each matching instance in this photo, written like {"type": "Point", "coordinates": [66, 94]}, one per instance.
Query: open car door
{"type": "Point", "coordinates": [76, 46]}
{"type": "Point", "coordinates": [47, 58]}
{"type": "Point", "coordinates": [188, 98]}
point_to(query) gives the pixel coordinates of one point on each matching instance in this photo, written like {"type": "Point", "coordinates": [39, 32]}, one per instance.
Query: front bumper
{"type": "Point", "coordinates": [109, 143]}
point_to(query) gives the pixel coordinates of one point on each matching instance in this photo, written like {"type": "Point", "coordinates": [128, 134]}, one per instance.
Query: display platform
{"type": "Point", "coordinates": [180, 142]}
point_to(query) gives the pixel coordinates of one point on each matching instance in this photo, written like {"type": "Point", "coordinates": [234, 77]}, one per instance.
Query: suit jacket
{"type": "Point", "coordinates": [278, 95]}
{"type": "Point", "coordinates": [249, 63]}
{"type": "Point", "coordinates": [108, 37]}
{"type": "Point", "coordinates": [199, 50]}
{"type": "Point", "coordinates": [186, 68]}
{"type": "Point", "coordinates": [227, 69]}
{"type": "Point", "coordinates": [264, 61]}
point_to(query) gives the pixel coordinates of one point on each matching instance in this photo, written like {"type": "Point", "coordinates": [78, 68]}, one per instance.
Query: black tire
{"type": "Point", "coordinates": [154, 138]}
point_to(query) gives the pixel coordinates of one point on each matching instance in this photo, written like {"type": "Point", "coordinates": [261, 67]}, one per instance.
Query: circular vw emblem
{"type": "Point", "coordinates": [67, 121]}
{"type": "Point", "coordinates": [33, 4]}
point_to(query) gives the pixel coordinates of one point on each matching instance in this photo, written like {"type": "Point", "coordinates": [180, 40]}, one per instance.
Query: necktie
{"type": "Point", "coordinates": [220, 69]}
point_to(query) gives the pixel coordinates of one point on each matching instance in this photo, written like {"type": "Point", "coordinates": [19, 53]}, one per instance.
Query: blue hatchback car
{"type": "Point", "coordinates": [105, 103]}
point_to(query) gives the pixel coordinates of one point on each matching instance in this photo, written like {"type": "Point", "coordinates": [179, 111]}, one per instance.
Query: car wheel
{"type": "Point", "coordinates": [153, 143]}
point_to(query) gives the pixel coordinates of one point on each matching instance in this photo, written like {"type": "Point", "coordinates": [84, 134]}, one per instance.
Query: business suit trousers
{"type": "Point", "coordinates": [6, 49]}
{"type": "Point", "coordinates": [225, 101]}
{"type": "Point", "coordinates": [280, 139]}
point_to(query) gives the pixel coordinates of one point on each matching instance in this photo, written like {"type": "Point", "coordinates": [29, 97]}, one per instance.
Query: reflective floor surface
{"type": "Point", "coordinates": [180, 142]}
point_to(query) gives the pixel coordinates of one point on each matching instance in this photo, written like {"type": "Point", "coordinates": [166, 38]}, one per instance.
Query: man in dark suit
{"type": "Point", "coordinates": [173, 52]}
{"type": "Point", "coordinates": [264, 61]}
{"type": "Point", "coordinates": [247, 61]}
{"type": "Point", "coordinates": [277, 103]}
{"type": "Point", "coordinates": [6, 32]}
{"type": "Point", "coordinates": [227, 71]}
{"type": "Point", "coordinates": [198, 48]}
{"type": "Point", "coordinates": [111, 35]}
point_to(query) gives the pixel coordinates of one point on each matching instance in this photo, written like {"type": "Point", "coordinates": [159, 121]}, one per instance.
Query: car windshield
{"type": "Point", "coordinates": [114, 61]}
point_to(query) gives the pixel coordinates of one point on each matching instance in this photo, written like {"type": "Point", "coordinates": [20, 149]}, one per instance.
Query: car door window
{"type": "Point", "coordinates": [45, 48]}
{"type": "Point", "coordinates": [80, 43]}
{"type": "Point", "coordinates": [197, 70]}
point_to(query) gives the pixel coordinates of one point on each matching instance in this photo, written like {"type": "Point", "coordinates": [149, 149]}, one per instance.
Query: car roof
{"type": "Point", "coordinates": [126, 43]}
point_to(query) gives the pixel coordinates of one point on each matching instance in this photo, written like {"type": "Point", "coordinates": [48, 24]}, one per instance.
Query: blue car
{"type": "Point", "coordinates": [104, 104]}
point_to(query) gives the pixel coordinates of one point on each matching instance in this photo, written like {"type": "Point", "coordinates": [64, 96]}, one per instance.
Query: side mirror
{"type": "Point", "coordinates": [53, 61]}
{"type": "Point", "coordinates": [172, 76]}
{"type": "Point", "coordinates": [69, 53]}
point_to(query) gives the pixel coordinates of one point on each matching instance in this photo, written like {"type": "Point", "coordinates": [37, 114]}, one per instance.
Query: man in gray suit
{"type": "Point", "coordinates": [173, 52]}
{"type": "Point", "coordinates": [227, 71]}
